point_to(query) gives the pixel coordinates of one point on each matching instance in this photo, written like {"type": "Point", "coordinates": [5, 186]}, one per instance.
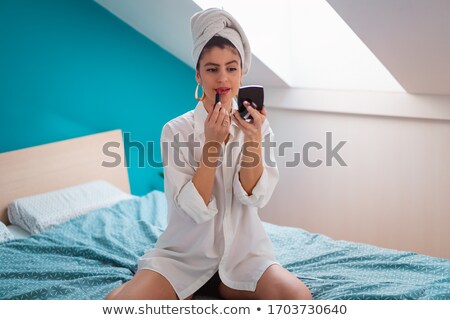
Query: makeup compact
{"type": "Point", "coordinates": [252, 94]}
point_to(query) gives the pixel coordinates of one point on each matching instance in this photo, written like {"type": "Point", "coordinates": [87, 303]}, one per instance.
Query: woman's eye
{"type": "Point", "coordinates": [231, 69]}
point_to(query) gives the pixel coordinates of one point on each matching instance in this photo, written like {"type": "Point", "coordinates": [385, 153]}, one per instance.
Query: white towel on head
{"type": "Point", "coordinates": [211, 22]}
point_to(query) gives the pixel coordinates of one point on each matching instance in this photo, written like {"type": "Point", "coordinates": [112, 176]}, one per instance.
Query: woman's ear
{"type": "Point", "coordinates": [197, 77]}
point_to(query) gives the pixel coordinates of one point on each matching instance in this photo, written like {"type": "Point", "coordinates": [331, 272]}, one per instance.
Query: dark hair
{"type": "Point", "coordinates": [220, 42]}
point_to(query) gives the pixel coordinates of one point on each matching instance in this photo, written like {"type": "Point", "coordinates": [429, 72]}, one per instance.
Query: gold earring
{"type": "Point", "coordinates": [196, 94]}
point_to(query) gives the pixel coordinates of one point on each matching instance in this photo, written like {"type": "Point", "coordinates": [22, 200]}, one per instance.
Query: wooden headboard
{"type": "Point", "coordinates": [61, 164]}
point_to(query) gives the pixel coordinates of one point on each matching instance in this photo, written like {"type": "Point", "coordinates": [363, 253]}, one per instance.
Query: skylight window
{"type": "Point", "coordinates": [308, 45]}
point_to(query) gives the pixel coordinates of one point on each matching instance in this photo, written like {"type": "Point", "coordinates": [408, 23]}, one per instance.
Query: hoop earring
{"type": "Point", "coordinates": [196, 94]}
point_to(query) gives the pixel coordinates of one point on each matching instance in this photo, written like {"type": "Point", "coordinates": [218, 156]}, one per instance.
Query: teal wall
{"type": "Point", "coordinates": [70, 68]}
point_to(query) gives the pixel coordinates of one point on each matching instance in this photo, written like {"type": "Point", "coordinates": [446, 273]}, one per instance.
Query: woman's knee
{"type": "Point", "coordinates": [112, 295]}
{"type": "Point", "coordinates": [295, 291]}
{"type": "Point", "coordinates": [146, 284]}
{"type": "Point", "coordinates": [277, 283]}
{"type": "Point", "coordinates": [286, 291]}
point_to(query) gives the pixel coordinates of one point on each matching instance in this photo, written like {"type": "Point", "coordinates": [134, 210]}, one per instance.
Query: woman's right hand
{"type": "Point", "coordinates": [215, 130]}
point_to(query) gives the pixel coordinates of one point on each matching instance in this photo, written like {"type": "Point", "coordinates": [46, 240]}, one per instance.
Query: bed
{"type": "Point", "coordinates": [87, 256]}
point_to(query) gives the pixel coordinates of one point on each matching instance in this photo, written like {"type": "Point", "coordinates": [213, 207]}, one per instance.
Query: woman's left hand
{"type": "Point", "coordinates": [252, 128]}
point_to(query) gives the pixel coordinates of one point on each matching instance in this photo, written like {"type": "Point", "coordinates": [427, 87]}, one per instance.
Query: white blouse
{"type": "Point", "coordinates": [226, 235]}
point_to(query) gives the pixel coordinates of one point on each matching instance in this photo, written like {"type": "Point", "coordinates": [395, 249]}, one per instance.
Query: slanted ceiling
{"type": "Point", "coordinates": [167, 23]}
{"type": "Point", "coordinates": [411, 38]}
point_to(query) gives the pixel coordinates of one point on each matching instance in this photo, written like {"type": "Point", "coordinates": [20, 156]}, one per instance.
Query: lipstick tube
{"type": "Point", "coordinates": [217, 99]}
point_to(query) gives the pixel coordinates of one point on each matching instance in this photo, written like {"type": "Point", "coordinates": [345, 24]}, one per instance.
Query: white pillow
{"type": "Point", "coordinates": [40, 212]}
{"type": "Point", "coordinates": [18, 232]}
{"type": "Point", "coordinates": [5, 235]}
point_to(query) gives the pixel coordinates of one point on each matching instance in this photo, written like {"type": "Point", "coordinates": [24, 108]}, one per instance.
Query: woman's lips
{"type": "Point", "coordinates": [222, 91]}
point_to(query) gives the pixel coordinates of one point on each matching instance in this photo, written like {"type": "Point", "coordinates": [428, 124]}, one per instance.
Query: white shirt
{"type": "Point", "coordinates": [226, 235]}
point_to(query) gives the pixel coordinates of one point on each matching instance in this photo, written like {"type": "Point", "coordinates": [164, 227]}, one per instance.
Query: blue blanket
{"type": "Point", "coordinates": [85, 258]}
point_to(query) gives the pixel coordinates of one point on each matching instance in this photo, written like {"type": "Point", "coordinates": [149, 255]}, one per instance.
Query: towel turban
{"type": "Point", "coordinates": [216, 22]}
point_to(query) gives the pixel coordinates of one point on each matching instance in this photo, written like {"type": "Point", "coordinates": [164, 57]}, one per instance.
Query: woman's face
{"type": "Point", "coordinates": [219, 69]}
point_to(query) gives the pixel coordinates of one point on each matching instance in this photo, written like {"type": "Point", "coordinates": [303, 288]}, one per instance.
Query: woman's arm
{"type": "Point", "coordinates": [179, 186]}
{"type": "Point", "coordinates": [203, 178]}
{"type": "Point", "coordinates": [255, 180]}
{"type": "Point", "coordinates": [251, 161]}
{"type": "Point", "coordinates": [251, 165]}
{"type": "Point", "coordinates": [215, 134]}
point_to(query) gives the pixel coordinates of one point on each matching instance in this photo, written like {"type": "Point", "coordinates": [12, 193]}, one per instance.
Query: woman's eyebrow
{"type": "Point", "coordinates": [232, 61]}
{"type": "Point", "coordinates": [217, 65]}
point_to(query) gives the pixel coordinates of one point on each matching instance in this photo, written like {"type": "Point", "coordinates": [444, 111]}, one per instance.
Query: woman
{"type": "Point", "coordinates": [215, 179]}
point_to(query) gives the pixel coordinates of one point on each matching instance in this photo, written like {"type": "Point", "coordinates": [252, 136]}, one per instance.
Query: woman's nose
{"type": "Point", "coordinates": [222, 76]}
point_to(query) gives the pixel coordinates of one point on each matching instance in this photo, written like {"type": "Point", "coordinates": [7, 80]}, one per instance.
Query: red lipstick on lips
{"type": "Point", "coordinates": [222, 90]}
{"type": "Point", "coordinates": [219, 92]}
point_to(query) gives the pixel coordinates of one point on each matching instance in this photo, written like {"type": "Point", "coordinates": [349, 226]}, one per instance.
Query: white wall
{"type": "Point", "coordinates": [395, 191]}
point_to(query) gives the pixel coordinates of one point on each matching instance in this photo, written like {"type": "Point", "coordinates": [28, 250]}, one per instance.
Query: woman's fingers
{"type": "Point", "coordinates": [258, 117]}
{"type": "Point", "coordinates": [244, 125]}
{"type": "Point", "coordinates": [252, 128]}
{"type": "Point", "coordinates": [215, 130]}
{"type": "Point", "coordinates": [218, 115]}
{"type": "Point", "coordinates": [214, 113]}
{"type": "Point", "coordinates": [223, 114]}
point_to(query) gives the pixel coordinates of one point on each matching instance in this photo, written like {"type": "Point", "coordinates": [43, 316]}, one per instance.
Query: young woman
{"type": "Point", "coordinates": [215, 179]}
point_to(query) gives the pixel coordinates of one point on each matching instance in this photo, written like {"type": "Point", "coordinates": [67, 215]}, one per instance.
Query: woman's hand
{"type": "Point", "coordinates": [217, 125]}
{"type": "Point", "coordinates": [252, 129]}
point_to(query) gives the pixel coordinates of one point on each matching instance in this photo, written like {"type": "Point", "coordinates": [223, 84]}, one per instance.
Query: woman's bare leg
{"type": "Point", "coordinates": [112, 295]}
{"type": "Point", "coordinates": [145, 285]}
{"type": "Point", "coordinates": [276, 283]}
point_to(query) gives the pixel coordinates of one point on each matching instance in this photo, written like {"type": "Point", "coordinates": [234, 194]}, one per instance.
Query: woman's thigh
{"type": "Point", "coordinates": [145, 285]}
{"type": "Point", "coordinates": [276, 283]}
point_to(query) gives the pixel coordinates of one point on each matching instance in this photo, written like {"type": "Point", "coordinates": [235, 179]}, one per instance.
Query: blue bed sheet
{"type": "Point", "coordinates": [85, 258]}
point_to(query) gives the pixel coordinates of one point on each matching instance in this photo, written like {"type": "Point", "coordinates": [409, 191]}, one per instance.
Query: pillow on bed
{"type": "Point", "coordinates": [18, 232]}
{"type": "Point", "coordinates": [42, 211]}
{"type": "Point", "coordinates": [5, 235]}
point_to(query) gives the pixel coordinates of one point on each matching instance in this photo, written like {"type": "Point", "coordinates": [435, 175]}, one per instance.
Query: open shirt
{"type": "Point", "coordinates": [225, 235]}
